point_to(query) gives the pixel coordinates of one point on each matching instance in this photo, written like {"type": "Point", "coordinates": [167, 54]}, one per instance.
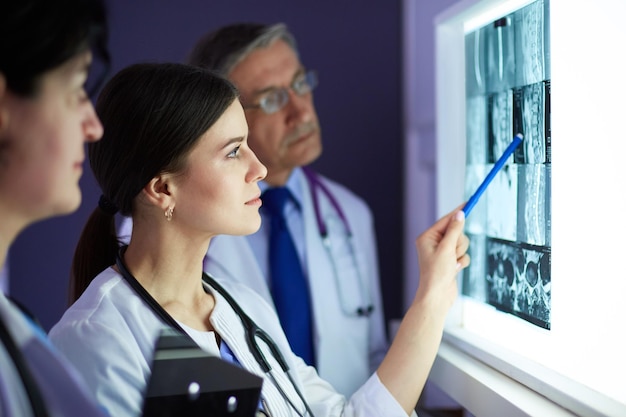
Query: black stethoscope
{"type": "Point", "coordinates": [252, 330]}
{"type": "Point", "coordinates": [365, 308]}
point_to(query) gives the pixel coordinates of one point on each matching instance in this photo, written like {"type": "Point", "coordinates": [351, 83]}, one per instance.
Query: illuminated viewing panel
{"type": "Point", "coordinates": [553, 72]}
{"type": "Point", "coordinates": [507, 83]}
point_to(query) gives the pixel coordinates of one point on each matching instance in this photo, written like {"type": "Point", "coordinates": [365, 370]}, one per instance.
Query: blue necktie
{"type": "Point", "coordinates": [289, 288]}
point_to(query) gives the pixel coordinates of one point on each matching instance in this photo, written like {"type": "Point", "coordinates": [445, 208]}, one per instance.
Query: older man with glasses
{"type": "Point", "coordinates": [315, 256]}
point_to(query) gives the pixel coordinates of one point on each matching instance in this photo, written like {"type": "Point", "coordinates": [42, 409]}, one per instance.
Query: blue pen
{"type": "Point", "coordinates": [517, 139]}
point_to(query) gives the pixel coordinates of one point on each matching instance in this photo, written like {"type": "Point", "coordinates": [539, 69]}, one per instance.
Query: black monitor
{"type": "Point", "coordinates": [187, 381]}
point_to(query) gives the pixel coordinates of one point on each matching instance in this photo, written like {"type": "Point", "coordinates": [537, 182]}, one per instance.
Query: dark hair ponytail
{"type": "Point", "coordinates": [93, 255]}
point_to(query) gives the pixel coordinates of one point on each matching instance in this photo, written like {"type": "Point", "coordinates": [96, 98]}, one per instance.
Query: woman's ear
{"type": "Point", "coordinates": [158, 191]}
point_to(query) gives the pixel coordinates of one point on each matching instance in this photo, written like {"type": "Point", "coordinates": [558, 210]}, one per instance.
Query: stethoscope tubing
{"type": "Point", "coordinates": [316, 184]}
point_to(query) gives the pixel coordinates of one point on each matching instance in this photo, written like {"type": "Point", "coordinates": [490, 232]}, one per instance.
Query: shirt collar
{"type": "Point", "coordinates": [294, 185]}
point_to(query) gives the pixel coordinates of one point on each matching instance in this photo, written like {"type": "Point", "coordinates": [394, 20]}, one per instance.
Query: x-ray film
{"type": "Point", "coordinates": [534, 202]}
{"type": "Point", "coordinates": [508, 92]}
{"type": "Point", "coordinates": [500, 127]}
{"type": "Point", "coordinates": [474, 283]}
{"type": "Point", "coordinates": [500, 54]}
{"type": "Point", "coordinates": [476, 120]}
{"type": "Point", "coordinates": [532, 43]}
{"type": "Point", "coordinates": [518, 280]}
{"type": "Point", "coordinates": [531, 117]}
{"type": "Point", "coordinates": [502, 204]}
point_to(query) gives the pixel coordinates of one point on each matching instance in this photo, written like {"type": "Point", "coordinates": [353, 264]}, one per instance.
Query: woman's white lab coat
{"type": "Point", "coordinates": [109, 335]}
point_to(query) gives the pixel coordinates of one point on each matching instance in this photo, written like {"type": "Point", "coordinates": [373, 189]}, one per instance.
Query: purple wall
{"type": "Point", "coordinates": [356, 48]}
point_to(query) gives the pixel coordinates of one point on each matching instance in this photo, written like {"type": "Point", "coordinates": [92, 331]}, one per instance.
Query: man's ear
{"type": "Point", "coordinates": [157, 191]}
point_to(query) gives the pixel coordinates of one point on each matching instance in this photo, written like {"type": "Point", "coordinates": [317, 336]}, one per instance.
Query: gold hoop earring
{"type": "Point", "coordinates": [168, 213]}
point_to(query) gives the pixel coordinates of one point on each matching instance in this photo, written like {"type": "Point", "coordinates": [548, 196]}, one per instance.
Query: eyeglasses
{"type": "Point", "coordinates": [276, 98]}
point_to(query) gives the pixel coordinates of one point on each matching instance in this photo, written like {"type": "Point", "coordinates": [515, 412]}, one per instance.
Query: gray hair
{"type": "Point", "coordinates": [223, 49]}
